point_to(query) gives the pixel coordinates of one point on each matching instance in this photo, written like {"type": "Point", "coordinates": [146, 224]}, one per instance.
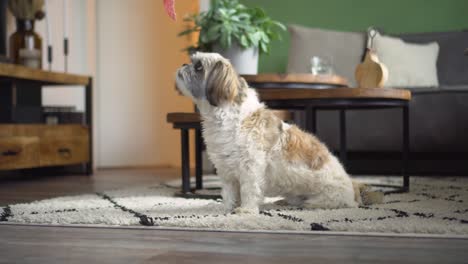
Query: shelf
{"type": "Point", "coordinates": [18, 72]}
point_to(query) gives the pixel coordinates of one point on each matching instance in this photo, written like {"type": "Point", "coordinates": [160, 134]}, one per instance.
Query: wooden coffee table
{"type": "Point", "coordinates": [293, 94]}
{"type": "Point", "coordinates": [295, 80]}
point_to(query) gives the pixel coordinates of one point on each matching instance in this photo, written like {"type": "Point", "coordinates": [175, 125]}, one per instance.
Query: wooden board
{"type": "Point", "coordinates": [341, 93]}
{"type": "Point", "coordinates": [296, 78]}
{"type": "Point", "coordinates": [14, 71]}
{"type": "Point", "coordinates": [371, 73]}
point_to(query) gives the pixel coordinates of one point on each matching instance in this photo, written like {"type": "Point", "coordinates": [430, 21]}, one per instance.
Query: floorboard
{"type": "Point", "coordinates": [39, 244]}
{"type": "Point", "coordinates": [22, 189]}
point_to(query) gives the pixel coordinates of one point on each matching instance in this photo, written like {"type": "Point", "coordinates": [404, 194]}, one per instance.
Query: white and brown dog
{"type": "Point", "coordinates": [255, 153]}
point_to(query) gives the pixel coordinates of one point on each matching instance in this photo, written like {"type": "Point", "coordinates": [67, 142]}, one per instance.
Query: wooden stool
{"type": "Point", "coordinates": [187, 121]}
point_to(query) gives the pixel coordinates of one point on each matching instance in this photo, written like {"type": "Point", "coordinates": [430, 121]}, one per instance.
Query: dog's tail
{"type": "Point", "coordinates": [363, 195]}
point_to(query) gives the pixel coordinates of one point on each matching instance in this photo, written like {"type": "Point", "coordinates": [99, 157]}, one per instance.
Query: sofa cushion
{"type": "Point", "coordinates": [452, 66]}
{"type": "Point", "coordinates": [408, 64]}
{"type": "Point", "coordinates": [344, 48]}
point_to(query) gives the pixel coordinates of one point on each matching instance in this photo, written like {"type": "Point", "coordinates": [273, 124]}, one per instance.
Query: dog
{"type": "Point", "coordinates": [255, 153]}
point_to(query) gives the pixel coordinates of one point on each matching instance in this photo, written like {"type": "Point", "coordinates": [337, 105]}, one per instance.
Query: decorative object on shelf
{"type": "Point", "coordinates": [371, 73]}
{"type": "Point", "coordinates": [53, 115]}
{"type": "Point", "coordinates": [321, 66]}
{"type": "Point", "coordinates": [235, 31]}
{"type": "Point", "coordinates": [25, 43]}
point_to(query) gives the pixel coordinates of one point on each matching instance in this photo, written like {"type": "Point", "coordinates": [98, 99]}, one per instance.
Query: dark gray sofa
{"type": "Point", "coordinates": [438, 120]}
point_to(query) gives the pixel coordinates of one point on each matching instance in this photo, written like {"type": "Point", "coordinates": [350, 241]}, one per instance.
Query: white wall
{"type": "Point", "coordinates": [138, 52]}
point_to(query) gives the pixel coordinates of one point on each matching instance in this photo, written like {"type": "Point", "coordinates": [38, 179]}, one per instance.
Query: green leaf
{"type": "Point", "coordinates": [264, 37]}
{"type": "Point", "coordinates": [264, 47]}
{"type": "Point", "coordinates": [213, 33]}
{"type": "Point", "coordinates": [244, 42]}
{"type": "Point", "coordinates": [280, 25]}
{"type": "Point", "coordinates": [186, 32]}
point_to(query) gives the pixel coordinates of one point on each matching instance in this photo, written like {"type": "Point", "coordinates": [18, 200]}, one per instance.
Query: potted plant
{"type": "Point", "coordinates": [235, 31]}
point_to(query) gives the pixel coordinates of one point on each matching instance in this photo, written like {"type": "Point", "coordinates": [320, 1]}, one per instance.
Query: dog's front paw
{"type": "Point", "coordinates": [245, 210]}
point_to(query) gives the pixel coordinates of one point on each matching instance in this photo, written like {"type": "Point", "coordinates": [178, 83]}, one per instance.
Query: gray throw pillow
{"type": "Point", "coordinates": [452, 66]}
{"type": "Point", "coordinates": [345, 49]}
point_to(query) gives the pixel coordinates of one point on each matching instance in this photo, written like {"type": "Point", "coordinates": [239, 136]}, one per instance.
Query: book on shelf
{"type": "Point", "coordinates": [62, 115]}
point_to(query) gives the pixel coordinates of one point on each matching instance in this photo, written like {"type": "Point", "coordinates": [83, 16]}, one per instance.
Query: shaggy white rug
{"type": "Point", "coordinates": [434, 206]}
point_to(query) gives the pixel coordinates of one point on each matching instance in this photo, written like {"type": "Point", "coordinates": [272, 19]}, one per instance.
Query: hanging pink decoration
{"type": "Point", "coordinates": [169, 5]}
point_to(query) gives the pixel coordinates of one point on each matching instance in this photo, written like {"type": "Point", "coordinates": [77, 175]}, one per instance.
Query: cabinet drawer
{"type": "Point", "coordinates": [64, 151]}
{"type": "Point", "coordinates": [19, 152]}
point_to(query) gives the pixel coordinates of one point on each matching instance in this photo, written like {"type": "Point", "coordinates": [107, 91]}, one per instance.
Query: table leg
{"type": "Point", "coordinates": [185, 160]}
{"type": "Point", "coordinates": [198, 159]}
{"type": "Point", "coordinates": [405, 152]}
{"type": "Point", "coordinates": [343, 147]}
{"type": "Point", "coordinates": [89, 123]}
{"type": "Point", "coordinates": [311, 122]}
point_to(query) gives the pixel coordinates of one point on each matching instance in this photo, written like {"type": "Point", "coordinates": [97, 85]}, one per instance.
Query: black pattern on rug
{"type": "Point", "coordinates": [144, 219]}
{"type": "Point", "coordinates": [6, 213]}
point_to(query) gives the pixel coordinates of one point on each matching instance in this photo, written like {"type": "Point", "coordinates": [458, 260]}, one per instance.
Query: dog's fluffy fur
{"type": "Point", "coordinates": [255, 153]}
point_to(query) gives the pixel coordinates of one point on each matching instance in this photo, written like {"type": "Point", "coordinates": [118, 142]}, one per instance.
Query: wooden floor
{"type": "Point", "coordinates": [27, 188]}
{"type": "Point", "coordinates": [45, 244]}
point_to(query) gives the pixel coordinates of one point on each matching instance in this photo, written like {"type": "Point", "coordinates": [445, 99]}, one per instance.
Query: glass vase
{"type": "Point", "coordinates": [26, 45]}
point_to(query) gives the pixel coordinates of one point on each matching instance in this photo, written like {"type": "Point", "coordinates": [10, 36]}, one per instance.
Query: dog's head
{"type": "Point", "coordinates": [210, 77]}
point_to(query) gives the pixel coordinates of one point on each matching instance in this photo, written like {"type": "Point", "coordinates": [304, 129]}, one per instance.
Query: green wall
{"type": "Point", "coordinates": [394, 16]}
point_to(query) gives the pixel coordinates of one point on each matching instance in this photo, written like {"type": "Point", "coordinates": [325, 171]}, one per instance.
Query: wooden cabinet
{"type": "Point", "coordinates": [38, 145]}
{"type": "Point", "coordinates": [29, 146]}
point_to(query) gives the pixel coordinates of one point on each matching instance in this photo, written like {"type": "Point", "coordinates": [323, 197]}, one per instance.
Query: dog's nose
{"type": "Point", "coordinates": [185, 64]}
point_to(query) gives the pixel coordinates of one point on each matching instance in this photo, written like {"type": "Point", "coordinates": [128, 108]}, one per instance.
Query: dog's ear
{"type": "Point", "coordinates": [222, 84]}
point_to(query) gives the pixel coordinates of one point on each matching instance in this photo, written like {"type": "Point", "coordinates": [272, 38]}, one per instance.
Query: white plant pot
{"type": "Point", "coordinates": [245, 61]}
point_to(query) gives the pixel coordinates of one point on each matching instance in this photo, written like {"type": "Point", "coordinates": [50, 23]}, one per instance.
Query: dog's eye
{"type": "Point", "coordinates": [198, 66]}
